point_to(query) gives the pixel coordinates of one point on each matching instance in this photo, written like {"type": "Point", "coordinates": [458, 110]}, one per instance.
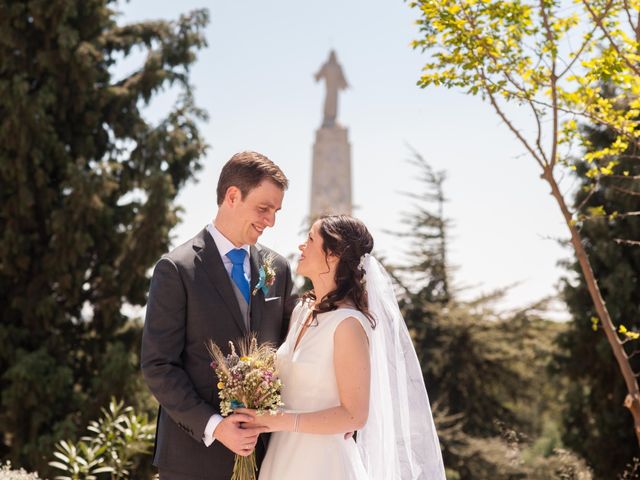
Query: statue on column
{"type": "Point", "coordinates": [334, 79]}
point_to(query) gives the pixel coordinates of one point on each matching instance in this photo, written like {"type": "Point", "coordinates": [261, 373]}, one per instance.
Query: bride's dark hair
{"type": "Point", "coordinates": [347, 238]}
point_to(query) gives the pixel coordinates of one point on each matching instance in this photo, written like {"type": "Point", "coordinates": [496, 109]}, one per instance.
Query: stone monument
{"type": "Point", "coordinates": [331, 168]}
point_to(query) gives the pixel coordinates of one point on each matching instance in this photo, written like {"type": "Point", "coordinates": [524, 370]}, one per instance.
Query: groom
{"type": "Point", "coordinates": [205, 289]}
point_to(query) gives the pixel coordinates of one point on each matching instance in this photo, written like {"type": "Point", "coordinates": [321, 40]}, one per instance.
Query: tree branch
{"type": "Point", "coordinates": [585, 115]}
{"type": "Point", "coordinates": [554, 86]}
{"type": "Point", "coordinates": [629, 214]}
{"type": "Point", "coordinates": [629, 19]}
{"type": "Point", "coordinates": [626, 190]}
{"type": "Point", "coordinates": [598, 22]}
{"type": "Point", "coordinates": [623, 241]}
{"type": "Point", "coordinates": [578, 53]}
{"type": "Point", "coordinates": [515, 131]}
{"type": "Point", "coordinates": [586, 199]}
{"type": "Point", "coordinates": [624, 177]}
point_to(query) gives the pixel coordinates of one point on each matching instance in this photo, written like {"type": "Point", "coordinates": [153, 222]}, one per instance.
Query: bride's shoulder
{"type": "Point", "coordinates": [343, 313]}
{"type": "Point", "coordinates": [350, 310]}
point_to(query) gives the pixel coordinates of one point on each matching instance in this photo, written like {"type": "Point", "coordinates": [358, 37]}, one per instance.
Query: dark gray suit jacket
{"type": "Point", "coordinates": [191, 300]}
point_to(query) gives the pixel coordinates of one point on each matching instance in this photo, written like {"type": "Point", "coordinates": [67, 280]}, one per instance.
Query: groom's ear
{"type": "Point", "coordinates": [232, 195]}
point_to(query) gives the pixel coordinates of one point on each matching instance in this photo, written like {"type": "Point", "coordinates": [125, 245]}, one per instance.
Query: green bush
{"type": "Point", "coordinates": [116, 448]}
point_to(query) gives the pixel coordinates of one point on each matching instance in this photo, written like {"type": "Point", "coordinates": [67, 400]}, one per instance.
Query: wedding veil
{"type": "Point", "coordinates": [399, 440]}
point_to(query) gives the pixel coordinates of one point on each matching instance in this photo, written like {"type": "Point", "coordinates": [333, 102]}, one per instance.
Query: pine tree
{"type": "Point", "coordinates": [87, 190]}
{"type": "Point", "coordinates": [486, 373]}
{"type": "Point", "coordinates": [427, 270]}
{"type": "Point", "coordinates": [592, 427]}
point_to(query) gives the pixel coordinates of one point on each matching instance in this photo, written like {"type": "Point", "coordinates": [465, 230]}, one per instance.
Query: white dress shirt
{"type": "Point", "coordinates": [224, 246]}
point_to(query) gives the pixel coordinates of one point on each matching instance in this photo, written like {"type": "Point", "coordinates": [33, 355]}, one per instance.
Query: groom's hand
{"type": "Point", "coordinates": [240, 439]}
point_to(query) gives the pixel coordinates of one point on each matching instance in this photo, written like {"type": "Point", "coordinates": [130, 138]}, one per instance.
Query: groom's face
{"type": "Point", "coordinates": [255, 212]}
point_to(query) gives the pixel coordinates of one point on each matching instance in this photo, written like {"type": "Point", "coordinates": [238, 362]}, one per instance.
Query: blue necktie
{"type": "Point", "coordinates": [237, 271]}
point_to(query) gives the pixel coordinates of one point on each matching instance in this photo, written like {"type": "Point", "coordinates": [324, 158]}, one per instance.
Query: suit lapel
{"type": "Point", "coordinates": [217, 273]}
{"type": "Point", "coordinates": [257, 300]}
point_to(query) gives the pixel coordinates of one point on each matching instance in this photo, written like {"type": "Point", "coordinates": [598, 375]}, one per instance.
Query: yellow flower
{"type": "Point", "coordinates": [220, 385]}
{"type": "Point", "coordinates": [245, 359]}
{"type": "Point", "coordinates": [629, 334]}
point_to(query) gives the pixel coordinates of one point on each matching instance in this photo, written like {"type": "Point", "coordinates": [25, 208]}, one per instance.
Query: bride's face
{"type": "Point", "coordinates": [313, 260]}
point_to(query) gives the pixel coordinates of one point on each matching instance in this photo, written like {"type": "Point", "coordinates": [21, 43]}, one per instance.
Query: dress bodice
{"type": "Point", "coordinates": [309, 384]}
{"type": "Point", "coordinates": [307, 371]}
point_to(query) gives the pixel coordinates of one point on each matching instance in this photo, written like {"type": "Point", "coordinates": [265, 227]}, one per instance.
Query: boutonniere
{"type": "Point", "coordinates": [266, 275]}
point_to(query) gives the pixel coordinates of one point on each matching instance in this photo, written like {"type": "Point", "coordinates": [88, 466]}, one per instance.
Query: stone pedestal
{"type": "Point", "coordinates": [331, 172]}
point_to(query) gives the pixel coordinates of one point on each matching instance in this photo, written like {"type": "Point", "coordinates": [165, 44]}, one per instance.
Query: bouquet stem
{"type": "Point", "coordinates": [245, 468]}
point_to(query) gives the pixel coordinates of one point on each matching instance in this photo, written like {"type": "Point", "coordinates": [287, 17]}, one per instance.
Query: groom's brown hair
{"type": "Point", "coordinates": [246, 170]}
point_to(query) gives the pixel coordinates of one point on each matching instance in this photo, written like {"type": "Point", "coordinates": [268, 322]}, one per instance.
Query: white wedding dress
{"type": "Point", "coordinates": [399, 440]}
{"type": "Point", "coordinates": [309, 384]}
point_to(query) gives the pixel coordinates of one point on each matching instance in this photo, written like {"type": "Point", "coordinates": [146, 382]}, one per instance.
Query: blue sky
{"type": "Point", "coordinates": [255, 79]}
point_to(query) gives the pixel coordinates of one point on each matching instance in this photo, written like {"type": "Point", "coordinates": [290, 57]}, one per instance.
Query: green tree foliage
{"type": "Point", "coordinates": [486, 372]}
{"type": "Point", "coordinates": [487, 375]}
{"type": "Point", "coordinates": [427, 235]}
{"type": "Point", "coordinates": [592, 427]}
{"type": "Point", "coordinates": [87, 190]}
{"type": "Point", "coordinates": [551, 58]}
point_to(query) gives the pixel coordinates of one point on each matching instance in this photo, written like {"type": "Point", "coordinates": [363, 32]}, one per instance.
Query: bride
{"type": "Point", "coordinates": [348, 365]}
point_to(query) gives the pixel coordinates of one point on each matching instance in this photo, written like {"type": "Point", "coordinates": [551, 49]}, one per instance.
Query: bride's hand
{"type": "Point", "coordinates": [247, 411]}
{"type": "Point", "coordinates": [268, 421]}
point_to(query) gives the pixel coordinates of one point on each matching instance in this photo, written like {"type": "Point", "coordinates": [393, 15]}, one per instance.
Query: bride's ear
{"type": "Point", "coordinates": [332, 258]}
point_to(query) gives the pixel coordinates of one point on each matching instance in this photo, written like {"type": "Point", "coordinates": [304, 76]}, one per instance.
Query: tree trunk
{"type": "Point", "coordinates": [632, 402]}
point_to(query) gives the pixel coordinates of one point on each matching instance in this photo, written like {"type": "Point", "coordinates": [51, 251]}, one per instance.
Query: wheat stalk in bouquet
{"type": "Point", "coordinates": [246, 380]}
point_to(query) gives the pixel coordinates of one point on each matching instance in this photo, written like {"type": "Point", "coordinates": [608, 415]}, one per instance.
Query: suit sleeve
{"type": "Point", "coordinates": [163, 341]}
